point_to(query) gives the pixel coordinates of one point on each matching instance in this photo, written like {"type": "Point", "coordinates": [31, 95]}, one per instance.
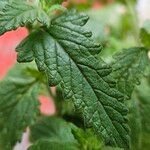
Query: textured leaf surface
{"type": "Point", "coordinates": [18, 106]}
{"type": "Point", "coordinates": [2, 4]}
{"type": "Point", "coordinates": [17, 14]}
{"type": "Point", "coordinates": [52, 133]}
{"type": "Point", "coordinates": [129, 66]}
{"type": "Point", "coordinates": [65, 52]}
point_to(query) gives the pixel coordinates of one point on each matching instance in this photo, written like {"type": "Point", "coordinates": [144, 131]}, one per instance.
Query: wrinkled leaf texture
{"type": "Point", "coordinates": [67, 54]}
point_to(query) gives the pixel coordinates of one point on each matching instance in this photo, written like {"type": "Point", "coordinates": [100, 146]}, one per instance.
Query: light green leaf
{"type": "Point", "coordinates": [129, 66]}
{"type": "Point", "coordinates": [56, 7]}
{"type": "Point", "coordinates": [17, 14]}
{"type": "Point", "coordinates": [66, 53]}
{"type": "Point", "coordinates": [19, 105]}
{"type": "Point", "coordinates": [87, 139]}
{"type": "Point", "coordinates": [145, 34]}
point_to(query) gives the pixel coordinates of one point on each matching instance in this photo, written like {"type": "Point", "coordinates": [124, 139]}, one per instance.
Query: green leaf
{"type": "Point", "coordinates": [135, 124]}
{"type": "Point", "coordinates": [54, 133]}
{"type": "Point", "coordinates": [17, 14]}
{"type": "Point", "coordinates": [143, 96]}
{"type": "Point", "coordinates": [52, 128]}
{"type": "Point", "coordinates": [145, 33]}
{"type": "Point", "coordinates": [66, 53]}
{"type": "Point", "coordinates": [87, 139]}
{"type": "Point", "coordinates": [139, 116]}
{"type": "Point", "coordinates": [129, 66]}
{"type": "Point", "coordinates": [56, 7]}
{"type": "Point", "coordinates": [2, 4]}
{"type": "Point", "coordinates": [19, 105]}
{"type": "Point", "coordinates": [52, 145]}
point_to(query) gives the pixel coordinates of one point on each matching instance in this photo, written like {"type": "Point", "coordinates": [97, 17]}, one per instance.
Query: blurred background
{"type": "Point", "coordinates": [115, 24]}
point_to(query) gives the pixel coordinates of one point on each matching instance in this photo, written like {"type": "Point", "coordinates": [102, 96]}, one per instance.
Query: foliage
{"type": "Point", "coordinates": [18, 105]}
{"type": "Point", "coordinates": [68, 56]}
{"type": "Point", "coordinates": [130, 65]}
{"type": "Point", "coordinates": [53, 133]}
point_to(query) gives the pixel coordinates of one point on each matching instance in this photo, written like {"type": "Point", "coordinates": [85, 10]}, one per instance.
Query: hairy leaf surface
{"type": "Point", "coordinates": [66, 53]}
{"type": "Point", "coordinates": [18, 14]}
{"type": "Point", "coordinates": [129, 66]}
{"type": "Point", "coordinates": [18, 106]}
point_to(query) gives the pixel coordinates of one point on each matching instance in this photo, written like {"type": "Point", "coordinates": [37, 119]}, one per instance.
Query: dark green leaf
{"type": "Point", "coordinates": [17, 14]}
{"type": "Point", "coordinates": [65, 52]}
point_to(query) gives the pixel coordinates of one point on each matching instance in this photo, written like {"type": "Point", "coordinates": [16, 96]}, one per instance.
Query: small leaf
{"type": "Point", "coordinates": [145, 34]}
{"type": "Point", "coordinates": [87, 139]}
{"type": "Point", "coordinates": [18, 14]}
{"type": "Point", "coordinates": [67, 54]}
{"type": "Point", "coordinates": [129, 66]}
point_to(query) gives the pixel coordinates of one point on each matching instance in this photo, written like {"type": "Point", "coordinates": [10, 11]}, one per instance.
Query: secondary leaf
{"type": "Point", "coordinates": [52, 145]}
{"type": "Point", "coordinates": [129, 66]}
{"type": "Point", "coordinates": [87, 139]}
{"type": "Point", "coordinates": [143, 93]}
{"type": "Point", "coordinates": [18, 105]}
{"type": "Point", "coordinates": [66, 53]}
{"type": "Point", "coordinates": [52, 128]}
{"type": "Point", "coordinates": [145, 33]}
{"type": "Point", "coordinates": [54, 132]}
{"type": "Point", "coordinates": [17, 14]}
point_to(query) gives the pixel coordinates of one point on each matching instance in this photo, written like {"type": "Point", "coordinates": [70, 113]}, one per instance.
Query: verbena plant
{"type": "Point", "coordinates": [66, 56]}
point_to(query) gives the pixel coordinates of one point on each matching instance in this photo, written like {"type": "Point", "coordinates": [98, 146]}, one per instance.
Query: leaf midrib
{"type": "Point", "coordinates": [88, 84]}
